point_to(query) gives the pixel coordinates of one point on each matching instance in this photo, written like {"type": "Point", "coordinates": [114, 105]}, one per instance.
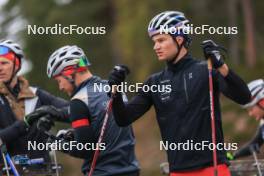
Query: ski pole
{"type": "Point", "coordinates": [13, 168]}
{"type": "Point", "coordinates": [108, 111]}
{"type": "Point", "coordinates": [96, 154]}
{"type": "Point", "coordinates": [3, 150]}
{"type": "Point", "coordinates": [7, 159]}
{"type": "Point", "coordinates": [51, 137]}
{"type": "Point", "coordinates": [211, 94]}
{"type": "Point", "coordinates": [207, 44]}
{"type": "Point", "coordinates": [56, 162]}
{"type": "Point", "coordinates": [5, 163]}
{"type": "Point", "coordinates": [253, 151]}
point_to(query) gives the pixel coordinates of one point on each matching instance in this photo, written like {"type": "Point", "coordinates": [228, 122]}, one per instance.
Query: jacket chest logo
{"type": "Point", "coordinates": [165, 95]}
{"type": "Point", "coordinates": [190, 75]}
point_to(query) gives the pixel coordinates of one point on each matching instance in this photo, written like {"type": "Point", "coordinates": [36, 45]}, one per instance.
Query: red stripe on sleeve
{"type": "Point", "coordinates": [80, 123]}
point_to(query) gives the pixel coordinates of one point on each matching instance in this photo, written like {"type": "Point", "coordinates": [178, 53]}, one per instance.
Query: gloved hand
{"type": "Point", "coordinates": [53, 112]}
{"type": "Point", "coordinates": [45, 123]}
{"type": "Point", "coordinates": [212, 51]}
{"type": "Point", "coordinates": [30, 119]}
{"type": "Point", "coordinates": [230, 156]}
{"type": "Point", "coordinates": [118, 75]}
{"type": "Point", "coordinates": [66, 134]}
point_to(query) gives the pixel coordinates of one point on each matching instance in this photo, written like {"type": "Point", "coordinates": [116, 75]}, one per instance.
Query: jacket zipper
{"type": "Point", "coordinates": [185, 89]}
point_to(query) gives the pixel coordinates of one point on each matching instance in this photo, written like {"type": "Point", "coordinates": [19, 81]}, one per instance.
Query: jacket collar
{"type": "Point", "coordinates": [24, 90]}
{"type": "Point", "coordinates": [90, 80]}
{"type": "Point", "coordinates": [180, 64]}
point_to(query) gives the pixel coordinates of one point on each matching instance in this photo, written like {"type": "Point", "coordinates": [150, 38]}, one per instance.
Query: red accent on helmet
{"type": "Point", "coordinates": [11, 56]}
{"type": "Point", "coordinates": [70, 70]}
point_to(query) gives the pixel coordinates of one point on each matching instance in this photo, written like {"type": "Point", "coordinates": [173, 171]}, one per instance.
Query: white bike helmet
{"type": "Point", "coordinates": [13, 47]}
{"type": "Point", "coordinates": [64, 57]}
{"type": "Point", "coordinates": [167, 20]}
{"type": "Point", "coordinates": [256, 88]}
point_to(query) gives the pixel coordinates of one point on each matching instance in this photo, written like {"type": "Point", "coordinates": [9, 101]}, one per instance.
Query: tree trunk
{"type": "Point", "coordinates": [249, 32]}
{"type": "Point", "coordinates": [234, 40]}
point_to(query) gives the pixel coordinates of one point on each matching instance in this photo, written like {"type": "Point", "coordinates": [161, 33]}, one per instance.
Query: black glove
{"type": "Point", "coordinates": [118, 75]}
{"type": "Point", "coordinates": [30, 119]}
{"type": "Point", "coordinates": [53, 112]}
{"type": "Point", "coordinates": [45, 123]}
{"type": "Point", "coordinates": [212, 50]}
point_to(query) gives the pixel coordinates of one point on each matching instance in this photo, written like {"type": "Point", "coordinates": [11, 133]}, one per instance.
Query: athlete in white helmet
{"type": "Point", "coordinates": [18, 99]}
{"type": "Point", "coordinates": [183, 113]}
{"type": "Point", "coordinates": [255, 109]}
{"type": "Point", "coordinates": [256, 106]}
{"type": "Point", "coordinates": [69, 66]}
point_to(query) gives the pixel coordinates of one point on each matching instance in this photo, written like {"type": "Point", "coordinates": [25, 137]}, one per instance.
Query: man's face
{"type": "Point", "coordinates": [256, 112]}
{"type": "Point", "coordinates": [6, 69]}
{"type": "Point", "coordinates": [64, 85]}
{"type": "Point", "coordinates": [164, 46]}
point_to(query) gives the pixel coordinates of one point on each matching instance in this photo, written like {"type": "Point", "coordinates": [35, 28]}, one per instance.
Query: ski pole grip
{"type": "Point", "coordinates": [122, 69]}
{"type": "Point", "coordinates": [209, 64]}
{"type": "Point", "coordinates": [114, 89]}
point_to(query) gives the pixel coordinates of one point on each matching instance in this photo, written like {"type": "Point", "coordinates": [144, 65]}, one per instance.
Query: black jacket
{"type": "Point", "coordinates": [15, 134]}
{"type": "Point", "coordinates": [183, 114]}
{"type": "Point", "coordinates": [118, 156]}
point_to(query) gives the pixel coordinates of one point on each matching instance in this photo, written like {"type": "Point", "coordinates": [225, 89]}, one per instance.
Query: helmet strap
{"type": "Point", "coordinates": [179, 47]}
{"type": "Point", "coordinates": [14, 72]}
{"type": "Point", "coordinates": [70, 80]}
